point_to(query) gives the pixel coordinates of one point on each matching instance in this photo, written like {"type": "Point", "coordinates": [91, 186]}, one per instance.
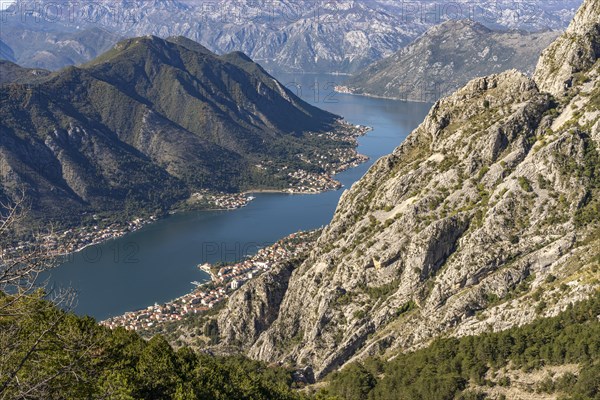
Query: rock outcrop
{"type": "Point", "coordinates": [486, 217]}
{"type": "Point", "coordinates": [256, 307]}
{"type": "Point", "coordinates": [575, 51]}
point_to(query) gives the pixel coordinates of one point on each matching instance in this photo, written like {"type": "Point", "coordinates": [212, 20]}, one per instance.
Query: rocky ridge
{"type": "Point", "coordinates": [485, 218]}
{"type": "Point", "coordinates": [576, 51]}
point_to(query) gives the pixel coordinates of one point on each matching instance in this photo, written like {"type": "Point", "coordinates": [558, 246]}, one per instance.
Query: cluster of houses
{"type": "Point", "coordinates": [344, 158]}
{"type": "Point", "coordinates": [221, 201]}
{"type": "Point", "coordinates": [192, 303]}
{"type": "Point", "coordinates": [310, 182]}
{"type": "Point", "coordinates": [76, 239]}
{"type": "Point", "coordinates": [224, 281]}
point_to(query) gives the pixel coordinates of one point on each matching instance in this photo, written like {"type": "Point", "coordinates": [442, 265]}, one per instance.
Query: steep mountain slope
{"type": "Point", "coordinates": [574, 52]}
{"type": "Point", "coordinates": [445, 58]}
{"type": "Point", "coordinates": [485, 218]}
{"type": "Point", "coordinates": [292, 36]}
{"type": "Point", "coordinates": [145, 123]}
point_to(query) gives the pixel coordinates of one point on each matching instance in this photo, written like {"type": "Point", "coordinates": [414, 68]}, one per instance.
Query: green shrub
{"type": "Point", "coordinates": [524, 184]}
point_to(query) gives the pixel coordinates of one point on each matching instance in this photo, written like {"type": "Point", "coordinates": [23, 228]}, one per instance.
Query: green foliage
{"type": "Point", "coordinates": [211, 330]}
{"type": "Point", "coordinates": [482, 172]}
{"type": "Point", "coordinates": [194, 106]}
{"type": "Point", "coordinates": [445, 368]}
{"type": "Point", "coordinates": [525, 184]}
{"type": "Point", "coordinates": [353, 383]}
{"type": "Point", "coordinates": [79, 359]}
{"type": "Point", "coordinates": [589, 210]}
{"type": "Point", "coordinates": [594, 100]}
{"type": "Point", "coordinates": [406, 307]}
{"type": "Point", "coordinates": [382, 291]}
{"type": "Point", "coordinates": [543, 183]}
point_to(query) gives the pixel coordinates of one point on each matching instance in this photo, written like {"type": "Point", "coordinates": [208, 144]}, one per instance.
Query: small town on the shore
{"type": "Point", "coordinates": [220, 201]}
{"type": "Point", "coordinates": [69, 241]}
{"type": "Point", "coordinates": [224, 280]}
{"type": "Point", "coordinates": [332, 162]}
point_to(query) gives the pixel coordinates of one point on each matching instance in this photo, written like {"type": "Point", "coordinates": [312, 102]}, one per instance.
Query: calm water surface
{"type": "Point", "coordinates": [159, 262]}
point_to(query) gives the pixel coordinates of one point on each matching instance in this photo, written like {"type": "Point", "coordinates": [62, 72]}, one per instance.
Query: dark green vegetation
{"type": "Point", "coordinates": [12, 73]}
{"type": "Point", "coordinates": [447, 368]}
{"type": "Point", "coordinates": [70, 357]}
{"type": "Point", "coordinates": [147, 123]}
{"type": "Point", "coordinates": [55, 355]}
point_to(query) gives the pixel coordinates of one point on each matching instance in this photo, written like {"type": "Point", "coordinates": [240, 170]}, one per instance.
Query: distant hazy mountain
{"type": "Point", "coordinates": [296, 36]}
{"type": "Point", "coordinates": [144, 124]}
{"type": "Point", "coordinates": [51, 48]}
{"type": "Point", "coordinates": [6, 53]}
{"type": "Point", "coordinates": [448, 56]}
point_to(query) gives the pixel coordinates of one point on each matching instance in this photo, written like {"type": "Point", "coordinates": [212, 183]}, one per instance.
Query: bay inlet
{"type": "Point", "coordinates": [158, 262]}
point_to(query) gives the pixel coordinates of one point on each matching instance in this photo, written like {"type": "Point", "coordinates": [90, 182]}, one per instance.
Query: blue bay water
{"type": "Point", "coordinates": [159, 262]}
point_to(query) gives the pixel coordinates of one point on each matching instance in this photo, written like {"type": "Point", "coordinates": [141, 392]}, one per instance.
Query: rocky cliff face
{"type": "Point", "coordinates": [448, 56]}
{"type": "Point", "coordinates": [256, 308]}
{"type": "Point", "coordinates": [576, 51]}
{"type": "Point", "coordinates": [485, 218]}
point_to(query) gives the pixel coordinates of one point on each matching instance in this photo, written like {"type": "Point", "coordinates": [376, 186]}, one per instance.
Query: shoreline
{"type": "Point", "coordinates": [338, 89]}
{"type": "Point", "coordinates": [222, 284]}
{"type": "Point", "coordinates": [60, 246]}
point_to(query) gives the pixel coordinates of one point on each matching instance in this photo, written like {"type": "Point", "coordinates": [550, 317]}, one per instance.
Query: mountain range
{"type": "Point", "coordinates": [445, 58]}
{"type": "Point", "coordinates": [6, 53]}
{"type": "Point", "coordinates": [293, 36]}
{"type": "Point", "coordinates": [146, 123]}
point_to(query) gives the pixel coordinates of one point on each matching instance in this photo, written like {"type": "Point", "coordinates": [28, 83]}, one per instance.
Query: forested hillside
{"type": "Point", "coordinates": [50, 354]}
{"type": "Point", "coordinates": [147, 124]}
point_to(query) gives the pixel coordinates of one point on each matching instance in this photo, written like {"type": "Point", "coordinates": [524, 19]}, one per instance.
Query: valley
{"type": "Point", "coordinates": [189, 121]}
{"type": "Point", "coordinates": [165, 254]}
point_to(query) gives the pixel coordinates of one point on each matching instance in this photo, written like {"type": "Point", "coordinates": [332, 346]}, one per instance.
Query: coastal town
{"type": "Point", "coordinates": [69, 241]}
{"type": "Point", "coordinates": [224, 280]}
{"type": "Point", "coordinates": [219, 201]}
{"type": "Point", "coordinates": [330, 161]}
{"type": "Point", "coordinates": [299, 181]}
